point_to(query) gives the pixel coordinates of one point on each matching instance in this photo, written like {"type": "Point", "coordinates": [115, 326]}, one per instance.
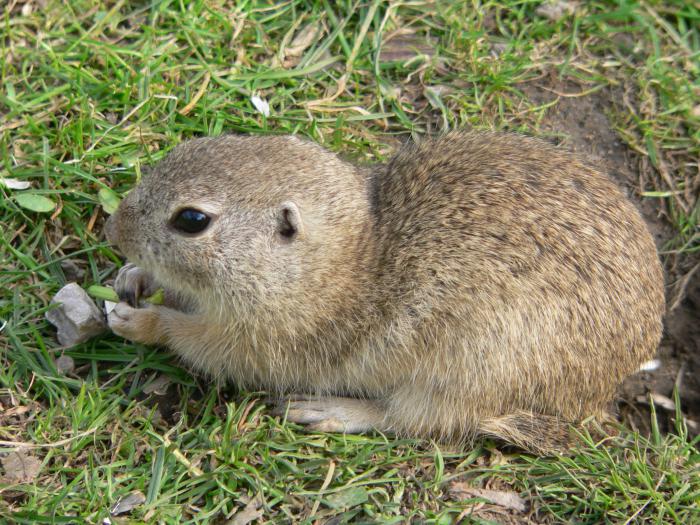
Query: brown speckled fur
{"type": "Point", "coordinates": [479, 284]}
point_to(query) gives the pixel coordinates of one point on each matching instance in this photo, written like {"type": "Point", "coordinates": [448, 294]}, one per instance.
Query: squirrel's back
{"type": "Point", "coordinates": [526, 267]}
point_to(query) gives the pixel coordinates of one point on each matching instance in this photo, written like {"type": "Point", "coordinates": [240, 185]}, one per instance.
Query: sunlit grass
{"type": "Point", "coordinates": [94, 92]}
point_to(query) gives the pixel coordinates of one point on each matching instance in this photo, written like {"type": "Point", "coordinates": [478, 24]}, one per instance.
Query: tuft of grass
{"type": "Point", "coordinates": [93, 92]}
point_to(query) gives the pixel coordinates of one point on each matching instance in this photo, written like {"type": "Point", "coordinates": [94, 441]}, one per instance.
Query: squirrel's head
{"type": "Point", "coordinates": [239, 222]}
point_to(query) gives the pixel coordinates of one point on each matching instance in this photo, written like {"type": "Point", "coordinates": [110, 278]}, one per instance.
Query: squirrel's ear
{"type": "Point", "coordinates": [289, 223]}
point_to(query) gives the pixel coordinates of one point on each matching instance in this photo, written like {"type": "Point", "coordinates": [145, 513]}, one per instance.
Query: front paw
{"type": "Point", "coordinates": [134, 284]}
{"type": "Point", "coordinates": [142, 325]}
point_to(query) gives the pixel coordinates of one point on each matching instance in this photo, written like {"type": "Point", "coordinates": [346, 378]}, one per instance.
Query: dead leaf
{"type": "Point", "coordinates": [128, 503]}
{"type": "Point", "coordinates": [555, 10]}
{"type": "Point", "coordinates": [14, 411]}
{"type": "Point", "coordinates": [302, 40]}
{"type": "Point", "coordinates": [348, 498]}
{"type": "Point", "coordinates": [403, 46]}
{"type": "Point", "coordinates": [15, 184]}
{"type": "Point", "coordinates": [158, 386]}
{"type": "Point", "coordinates": [659, 400]}
{"type": "Point", "coordinates": [291, 55]}
{"type": "Point", "coordinates": [200, 92]}
{"type": "Point", "coordinates": [498, 48]}
{"type": "Point", "coordinates": [503, 498]}
{"type": "Point", "coordinates": [251, 512]}
{"type": "Point", "coordinates": [20, 467]}
{"type": "Point", "coordinates": [496, 458]}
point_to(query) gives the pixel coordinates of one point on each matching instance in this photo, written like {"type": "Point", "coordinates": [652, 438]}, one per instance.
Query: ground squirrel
{"type": "Point", "coordinates": [479, 284]}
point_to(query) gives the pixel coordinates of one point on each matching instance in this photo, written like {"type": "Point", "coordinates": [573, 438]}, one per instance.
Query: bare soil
{"type": "Point", "coordinates": [582, 123]}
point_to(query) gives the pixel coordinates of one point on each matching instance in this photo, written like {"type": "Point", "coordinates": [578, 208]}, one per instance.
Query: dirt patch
{"type": "Point", "coordinates": [580, 121]}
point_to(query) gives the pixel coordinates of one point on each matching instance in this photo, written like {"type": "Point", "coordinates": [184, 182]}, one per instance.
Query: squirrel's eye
{"type": "Point", "coordinates": [190, 220]}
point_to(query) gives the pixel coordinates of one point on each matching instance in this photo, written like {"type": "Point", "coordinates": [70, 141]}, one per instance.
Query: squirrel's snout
{"type": "Point", "coordinates": [111, 229]}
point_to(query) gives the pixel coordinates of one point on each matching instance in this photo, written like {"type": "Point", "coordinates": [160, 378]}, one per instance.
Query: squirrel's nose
{"type": "Point", "coordinates": [111, 229]}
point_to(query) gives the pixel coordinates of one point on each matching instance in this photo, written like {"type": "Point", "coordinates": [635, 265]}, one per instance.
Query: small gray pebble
{"type": "Point", "coordinates": [65, 364]}
{"type": "Point", "coordinates": [77, 318]}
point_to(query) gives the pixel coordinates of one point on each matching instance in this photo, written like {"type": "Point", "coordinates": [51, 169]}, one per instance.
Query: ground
{"type": "Point", "coordinates": [94, 92]}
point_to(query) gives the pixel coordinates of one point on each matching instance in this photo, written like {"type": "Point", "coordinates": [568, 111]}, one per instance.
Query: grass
{"type": "Point", "coordinates": [93, 92]}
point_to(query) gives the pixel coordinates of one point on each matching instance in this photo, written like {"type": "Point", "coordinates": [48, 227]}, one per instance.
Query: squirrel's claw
{"type": "Point", "coordinates": [133, 283]}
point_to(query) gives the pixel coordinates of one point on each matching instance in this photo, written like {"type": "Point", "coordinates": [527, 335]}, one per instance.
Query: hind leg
{"type": "Point", "coordinates": [334, 414]}
{"type": "Point", "coordinates": [409, 412]}
{"type": "Point", "coordinates": [416, 414]}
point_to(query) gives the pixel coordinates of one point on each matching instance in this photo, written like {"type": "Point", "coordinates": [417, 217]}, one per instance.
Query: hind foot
{"type": "Point", "coordinates": [333, 414]}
